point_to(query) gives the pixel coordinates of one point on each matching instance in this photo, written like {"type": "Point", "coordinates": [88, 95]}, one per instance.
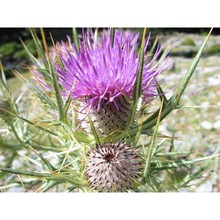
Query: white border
{"type": "Point", "coordinates": [115, 13]}
{"type": "Point", "coordinates": [110, 206]}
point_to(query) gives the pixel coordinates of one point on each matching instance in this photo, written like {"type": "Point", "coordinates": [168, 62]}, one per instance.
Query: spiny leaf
{"type": "Point", "coordinates": [152, 146]}
{"type": "Point", "coordinates": [39, 47]}
{"type": "Point", "coordinates": [41, 94]}
{"type": "Point", "coordinates": [32, 58]}
{"type": "Point", "coordinates": [3, 78]}
{"type": "Point", "coordinates": [59, 101]}
{"type": "Point", "coordinates": [78, 136]}
{"type": "Point", "coordinates": [49, 185]}
{"type": "Point", "coordinates": [94, 131]}
{"type": "Point", "coordinates": [137, 85]}
{"type": "Point", "coordinates": [75, 38]}
{"type": "Point", "coordinates": [161, 93]}
{"type": "Point", "coordinates": [46, 176]}
{"type": "Point", "coordinates": [112, 33]}
{"type": "Point", "coordinates": [183, 84]}
{"type": "Point", "coordinates": [168, 154]}
{"type": "Point", "coordinates": [178, 163]}
{"type": "Point", "coordinates": [35, 124]}
{"type": "Point", "coordinates": [153, 48]}
{"type": "Point", "coordinates": [48, 164]}
{"type": "Point", "coordinates": [26, 173]}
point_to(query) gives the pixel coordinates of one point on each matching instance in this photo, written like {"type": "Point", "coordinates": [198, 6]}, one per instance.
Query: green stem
{"type": "Point", "coordinates": [15, 132]}
{"type": "Point", "coordinates": [75, 38]}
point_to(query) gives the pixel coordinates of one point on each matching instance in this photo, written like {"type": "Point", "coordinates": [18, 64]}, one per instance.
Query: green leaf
{"type": "Point", "coordinates": [168, 154]}
{"type": "Point", "coordinates": [94, 131]}
{"type": "Point", "coordinates": [32, 58]}
{"type": "Point", "coordinates": [47, 176]}
{"type": "Point", "coordinates": [36, 125]}
{"type": "Point", "coordinates": [178, 163]}
{"type": "Point", "coordinates": [26, 173]}
{"type": "Point", "coordinates": [49, 185]}
{"type": "Point", "coordinates": [152, 146]}
{"type": "Point", "coordinates": [153, 48]}
{"type": "Point", "coordinates": [78, 136]}
{"type": "Point", "coordinates": [67, 105]}
{"type": "Point", "coordinates": [137, 85]}
{"type": "Point", "coordinates": [183, 84]}
{"type": "Point", "coordinates": [39, 47]}
{"type": "Point", "coordinates": [161, 93]}
{"type": "Point", "coordinates": [39, 146]}
{"type": "Point", "coordinates": [59, 100]}
{"type": "Point", "coordinates": [112, 33]}
{"type": "Point", "coordinates": [75, 38]}
{"type": "Point", "coordinates": [48, 164]}
{"type": "Point", "coordinates": [3, 78]}
{"type": "Point", "coordinates": [55, 84]}
{"type": "Point", "coordinates": [41, 94]}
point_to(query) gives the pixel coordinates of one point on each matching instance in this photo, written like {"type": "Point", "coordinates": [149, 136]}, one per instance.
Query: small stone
{"type": "Point", "coordinates": [205, 104]}
{"type": "Point", "coordinates": [16, 164]}
{"type": "Point", "coordinates": [206, 125]}
{"type": "Point", "coordinates": [214, 81]}
{"type": "Point", "coordinates": [216, 125]}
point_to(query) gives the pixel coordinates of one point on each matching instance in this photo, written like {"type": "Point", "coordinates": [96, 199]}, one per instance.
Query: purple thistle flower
{"type": "Point", "coordinates": [113, 167]}
{"type": "Point", "coordinates": [102, 72]}
{"type": "Point", "coordinates": [101, 76]}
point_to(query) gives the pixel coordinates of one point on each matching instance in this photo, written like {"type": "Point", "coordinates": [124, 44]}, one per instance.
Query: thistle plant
{"type": "Point", "coordinates": [86, 134]}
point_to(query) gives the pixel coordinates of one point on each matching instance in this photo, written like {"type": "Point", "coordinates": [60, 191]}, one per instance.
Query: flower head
{"type": "Point", "coordinates": [113, 167]}
{"type": "Point", "coordinates": [101, 76]}
{"type": "Point", "coordinates": [105, 69]}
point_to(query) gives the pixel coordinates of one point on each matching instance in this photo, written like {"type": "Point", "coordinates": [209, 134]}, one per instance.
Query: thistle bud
{"type": "Point", "coordinates": [113, 167]}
